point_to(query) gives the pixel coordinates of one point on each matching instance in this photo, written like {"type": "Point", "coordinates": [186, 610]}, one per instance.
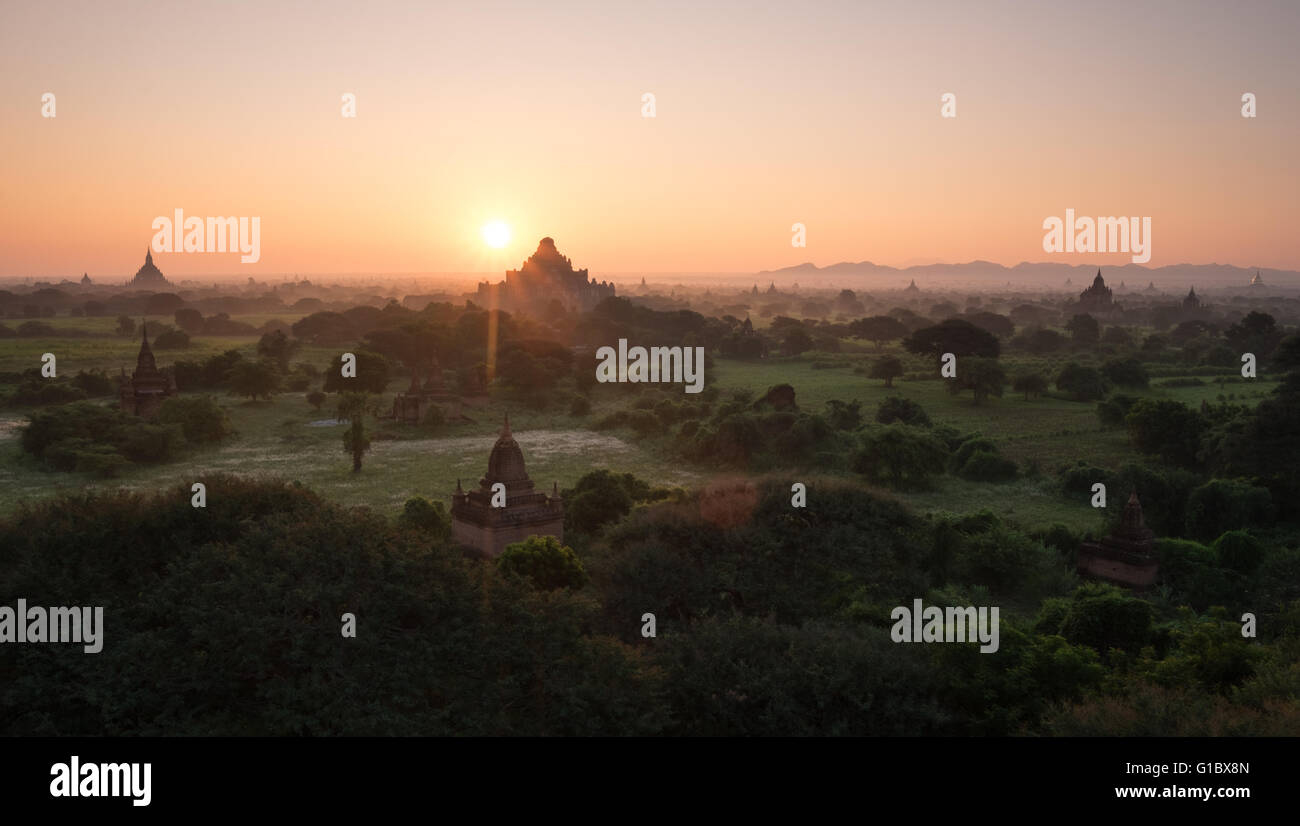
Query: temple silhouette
{"type": "Point", "coordinates": [1126, 557]}
{"type": "Point", "coordinates": [149, 275]}
{"type": "Point", "coordinates": [1098, 297]}
{"type": "Point", "coordinates": [476, 523]}
{"type": "Point", "coordinates": [143, 393]}
{"type": "Point", "coordinates": [545, 276]}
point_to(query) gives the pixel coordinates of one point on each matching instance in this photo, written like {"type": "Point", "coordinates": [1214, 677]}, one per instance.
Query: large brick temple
{"type": "Point", "coordinates": [1126, 557]}
{"type": "Point", "coordinates": [475, 522]}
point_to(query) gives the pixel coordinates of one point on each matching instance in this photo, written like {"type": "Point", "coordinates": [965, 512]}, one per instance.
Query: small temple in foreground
{"type": "Point", "coordinates": [148, 387]}
{"type": "Point", "coordinates": [526, 512]}
{"type": "Point", "coordinates": [1126, 557]}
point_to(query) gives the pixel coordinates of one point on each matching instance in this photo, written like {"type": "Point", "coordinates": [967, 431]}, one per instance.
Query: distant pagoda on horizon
{"type": "Point", "coordinates": [546, 276]}
{"type": "Point", "coordinates": [1257, 281]}
{"type": "Point", "coordinates": [149, 275]}
{"type": "Point", "coordinates": [1098, 297]}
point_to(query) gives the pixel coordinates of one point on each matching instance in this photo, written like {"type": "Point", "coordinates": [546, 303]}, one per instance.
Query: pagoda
{"type": "Point", "coordinates": [1126, 557]}
{"type": "Point", "coordinates": [412, 406]}
{"type": "Point", "coordinates": [1191, 302]}
{"type": "Point", "coordinates": [1257, 281]}
{"type": "Point", "coordinates": [1098, 296]}
{"type": "Point", "coordinates": [545, 276]}
{"type": "Point", "coordinates": [149, 275]}
{"type": "Point", "coordinates": [143, 393]}
{"type": "Point", "coordinates": [526, 512]}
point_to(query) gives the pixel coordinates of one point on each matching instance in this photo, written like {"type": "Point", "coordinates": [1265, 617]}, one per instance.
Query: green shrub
{"type": "Point", "coordinates": [200, 418]}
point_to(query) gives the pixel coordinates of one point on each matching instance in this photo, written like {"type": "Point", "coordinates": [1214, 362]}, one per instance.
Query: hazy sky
{"type": "Point", "coordinates": [768, 114]}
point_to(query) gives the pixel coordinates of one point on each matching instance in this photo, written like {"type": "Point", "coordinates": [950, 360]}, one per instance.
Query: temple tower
{"type": "Point", "coordinates": [527, 512]}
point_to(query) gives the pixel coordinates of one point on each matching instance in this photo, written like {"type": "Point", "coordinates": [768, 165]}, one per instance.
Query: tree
{"type": "Point", "coordinates": [544, 562]}
{"type": "Point", "coordinates": [277, 347]}
{"type": "Point", "coordinates": [1104, 617]}
{"type": "Point", "coordinates": [1189, 330]}
{"type": "Point", "coordinates": [1239, 551]}
{"type": "Point", "coordinates": [189, 320]}
{"type": "Point", "coordinates": [961, 338]}
{"type": "Point", "coordinates": [1227, 505]}
{"type": "Point", "coordinates": [844, 416]}
{"type": "Point", "coordinates": [984, 377]}
{"type": "Point", "coordinates": [1084, 329]}
{"type": "Point", "coordinates": [125, 325]}
{"type": "Point", "coordinates": [1256, 333]}
{"type": "Point", "coordinates": [371, 377]}
{"type": "Point", "coordinates": [172, 340]}
{"type": "Point", "coordinates": [1165, 428]}
{"type": "Point", "coordinates": [1031, 384]}
{"type": "Point", "coordinates": [324, 328]}
{"type": "Point", "coordinates": [898, 409]}
{"type": "Point", "coordinates": [1287, 354]}
{"type": "Point", "coordinates": [998, 325]}
{"type": "Point", "coordinates": [797, 340]}
{"type": "Point", "coordinates": [1082, 383]}
{"type": "Point", "coordinates": [878, 328]}
{"type": "Point", "coordinates": [428, 517]}
{"type": "Point", "coordinates": [887, 368]}
{"type": "Point", "coordinates": [352, 409]}
{"type": "Point", "coordinates": [1125, 372]}
{"type": "Point", "coordinates": [316, 398]}
{"type": "Point", "coordinates": [900, 455]}
{"type": "Point", "coordinates": [254, 379]}
{"type": "Point", "coordinates": [200, 417]}
{"type": "Point", "coordinates": [1043, 341]}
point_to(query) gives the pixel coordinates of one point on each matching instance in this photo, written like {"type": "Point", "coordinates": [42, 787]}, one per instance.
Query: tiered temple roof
{"type": "Point", "coordinates": [527, 512]}
{"type": "Point", "coordinates": [149, 275]}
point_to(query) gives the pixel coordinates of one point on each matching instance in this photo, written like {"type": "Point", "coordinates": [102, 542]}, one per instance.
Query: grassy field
{"type": "Point", "coordinates": [287, 438]}
{"type": "Point", "coordinates": [1049, 430]}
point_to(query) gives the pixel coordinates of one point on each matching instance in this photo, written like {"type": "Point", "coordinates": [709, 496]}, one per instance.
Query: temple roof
{"type": "Point", "coordinates": [506, 464]}
{"type": "Point", "coordinates": [145, 362]}
{"type": "Point", "coordinates": [149, 273]}
{"type": "Point", "coordinates": [1132, 525]}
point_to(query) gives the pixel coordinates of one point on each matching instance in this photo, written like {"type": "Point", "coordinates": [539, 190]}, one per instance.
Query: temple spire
{"type": "Point", "coordinates": [505, 431]}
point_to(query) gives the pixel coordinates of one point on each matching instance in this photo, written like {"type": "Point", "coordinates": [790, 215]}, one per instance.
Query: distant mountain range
{"type": "Point", "coordinates": [1049, 274]}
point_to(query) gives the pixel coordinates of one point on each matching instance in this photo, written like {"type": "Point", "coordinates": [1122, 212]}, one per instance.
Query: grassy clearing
{"type": "Point", "coordinates": [279, 439]}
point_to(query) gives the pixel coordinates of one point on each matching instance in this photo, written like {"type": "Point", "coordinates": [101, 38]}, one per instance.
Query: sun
{"type": "Point", "coordinates": [496, 234]}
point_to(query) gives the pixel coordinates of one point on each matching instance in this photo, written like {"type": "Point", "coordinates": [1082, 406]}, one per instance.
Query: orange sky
{"type": "Point", "coordinates": [768, 114]}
